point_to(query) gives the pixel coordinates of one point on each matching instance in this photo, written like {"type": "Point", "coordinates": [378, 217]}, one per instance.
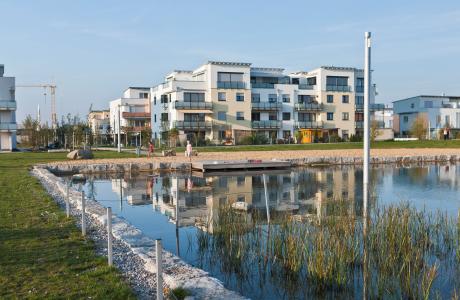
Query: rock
{"type": "Point", "coordinates": [169, 152]}
{"type": "Point", "coordinates": [80, 154]}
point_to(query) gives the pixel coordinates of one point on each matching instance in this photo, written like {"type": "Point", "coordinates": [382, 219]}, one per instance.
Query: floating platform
{"type": "Point", "coordinates": [231, 165]}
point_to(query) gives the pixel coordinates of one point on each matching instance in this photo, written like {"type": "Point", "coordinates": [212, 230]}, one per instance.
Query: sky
{"type": "Point", "coordinates": [93, 50]}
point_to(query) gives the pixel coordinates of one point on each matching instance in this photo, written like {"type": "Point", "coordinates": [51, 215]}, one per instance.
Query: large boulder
{"type": "Point", "coordinates": [80, 154]}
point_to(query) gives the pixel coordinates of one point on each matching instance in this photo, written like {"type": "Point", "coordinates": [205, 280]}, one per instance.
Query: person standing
{"type": "Point", "coordinates": [446, 133]}
{"type": "Point", "coordinates": [188, 150]}
{"type": "Point", "coordinates": [151, 148]}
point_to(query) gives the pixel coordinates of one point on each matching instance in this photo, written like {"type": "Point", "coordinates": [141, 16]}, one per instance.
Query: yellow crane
{"type": "Point", "coordinates": [52, 90]}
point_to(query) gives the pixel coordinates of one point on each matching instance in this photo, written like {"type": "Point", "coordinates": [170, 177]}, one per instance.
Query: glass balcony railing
{"type": "Point", "coordinates": [8, 126]}
{"type": "Point", "coordinates": [193, 105]}
{"type": "Point", "coordinates": [338, 88]}
{"type": "Point", "coordinates": [359, 89]}
{"type": "Point", "coordinates": [266, 124]}
{"type": "Point", "coordinates": [308, 106]}
{"type": "Point", "coordinates": [266, 106]}
{"type": "Point", "coordinates": [306, 87]}
{"type": "Point", "coordinates": [262, 85]}
{"type": "Point", "coordinates": [191, 125]}
{"type": "Point", "coordinates": [359, 124]}
{"type": "Point", "coordinates": [308, 124]}
{"type": "Point", "coordinates": [7, 105]}
{"type": "Point", "coordinates": [372, 107]}
{"type": "Point", "coordinates": [231, 85]}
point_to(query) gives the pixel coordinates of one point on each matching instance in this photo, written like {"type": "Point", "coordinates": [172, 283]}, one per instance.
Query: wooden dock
{"type": "Point", "coordinates": [233, 165]}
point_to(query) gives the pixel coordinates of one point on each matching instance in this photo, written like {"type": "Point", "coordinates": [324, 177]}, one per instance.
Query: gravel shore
{"type": "Point", "coordinates": [268, 155]}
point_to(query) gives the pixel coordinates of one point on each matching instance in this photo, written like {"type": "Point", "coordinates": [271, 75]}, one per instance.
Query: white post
{"type": "Point", "coordinates": [266, 197]}
{"type": "Point", "coordinates": [367, 92]}
{"type": "Point", "coordinates": [429, 130]}
{"type": "Point", "coordinates": [83, 209]}
{"type": "Point", "coordinates": [109, 236]}
{"type": "Point", "coordinates": [119, 128]}
{"type": "Point", "coordinates": [67, 206]}
{"type": "Point", "coordinates": [159, 269]}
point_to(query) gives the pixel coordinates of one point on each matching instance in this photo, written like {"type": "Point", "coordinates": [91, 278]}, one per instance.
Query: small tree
{"type": "Point", "coordinates": [173, 134]}
{"type": "Point", "coordinates": [419, 127]}
{"type": "Point", "coordinates": [375, 132]}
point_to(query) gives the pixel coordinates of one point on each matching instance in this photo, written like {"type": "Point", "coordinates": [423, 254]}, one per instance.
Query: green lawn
{"type": "Point", "coordinates": [327, 146]}
{"type": "Point", "coordinates": [42, 253]}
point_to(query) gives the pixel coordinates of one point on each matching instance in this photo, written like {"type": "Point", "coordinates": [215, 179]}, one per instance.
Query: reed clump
{"type": "Point", "coordinates": [395, 251]}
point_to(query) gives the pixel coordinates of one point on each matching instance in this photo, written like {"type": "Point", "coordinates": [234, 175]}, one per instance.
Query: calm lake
{"type": "Point", "coordinates": [178, 208]}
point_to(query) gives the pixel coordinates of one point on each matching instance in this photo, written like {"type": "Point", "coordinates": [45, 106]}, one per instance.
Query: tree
{"type": "Point", "coordinates": [374, 132]}
{"type": "Point", "coordinates": [419, 127]}
{"type": "Point", "coordinates": [31, 133]}
{"type": "Point", "coordinates": [173, 134]}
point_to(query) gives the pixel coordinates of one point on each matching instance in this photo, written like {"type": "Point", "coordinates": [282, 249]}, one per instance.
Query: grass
{"type": "Point", "coordinates": [331, 146]}
{"type": "Point", "coordinates": [42, 252]}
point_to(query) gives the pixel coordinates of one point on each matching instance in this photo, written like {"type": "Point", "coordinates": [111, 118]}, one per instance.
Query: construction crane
{"type": "Point", "coordinates": [52, 89]}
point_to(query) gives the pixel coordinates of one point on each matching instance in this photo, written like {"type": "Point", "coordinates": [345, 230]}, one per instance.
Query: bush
{"type": "Point", "coordinates": [254, 139]}
{"type": "Point", "coordinates": [355, 138]}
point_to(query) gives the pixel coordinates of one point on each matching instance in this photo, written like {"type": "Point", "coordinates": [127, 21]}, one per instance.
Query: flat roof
{"type": "Point", "coordinates": [228, 63]}
{"type": "Point", "coordinates": [138, 88]}
{"type": "Point", "coordinates": [429, 96]}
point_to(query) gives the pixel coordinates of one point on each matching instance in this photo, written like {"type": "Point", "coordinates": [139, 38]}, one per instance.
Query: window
{"type": "Point", "coordinates": [311, 81]}
{"type": "Point", "coordinates": [241, 198]}
{"type": "Point", "coordinates": [272, 98]}
{"type": "Point", "coordinates": [229, 77]}
{"type": "Point", "coordinates": [295, 81]}
{"type": "Point", "coordinates": [345, 137]}
{"type": "Point", "coordinates": [306, 99]}
{"type": "Point", "coordinates": [406, 119]}
{"type": "Point", "coordinates": [359, 85]}
{"type": "Point", "coordinates": [221, 116]}
{"type": "Point", "coordinates": [412, 105]}
{"type": "Point", "coordinates": [359, 116]}
{"type": "Point", "coordinates": [239, 97]}
{"type": "Point", "coordinates": [447, 118]}
{"type": "Point", "coordinates": [286, 116]}
{"type": "Point", "coordinates": [255, 98]}
{"type": "Point", "coordinates": [337, 81]}
{"type": "Point", "coordinates": [345, 99]}
{"type": "Point", "coordinates": [286, 98]}
{"type": "Point", "coordinates": [428, 104]}
{"type": "Point", "coordinates": [143, 95]}
{"type": "Point", "coordinates": [255, 116]}
{"type": "Point", "coordinates": [330, 98]}
{"type": "Point", "coordinates": [359, 99]}
{"type": "Point", "coordinates": [194, 117]}
{"type": "Point", "coordinates": [286, 135]}
{"type": "Point", "coordinates": [194, 97]}
{"type": "Point", "coordinates": [155, 100]}
{"type": "Point", "coordinates": [307, 117]}
{"type": "Point", "coordinates": [164, 117]}
{"type": "Point", "coordinates": [330, 116]}
{"type": "Point", "coordinates": [345, 116]}
{"type": "Point", "coordinates": [240, 115]}
{"type": "Point", "coordinates": [272, 116]}
{"type": "Point", "coordinates": [164, 99]}
{"type": "Point", "coordinates": [221, 96]}
{"type": "Point", "coordinates": [222, 135]}
{"type": "Point", "coordinates": [240, 180]}
{"type": "Point", "coordinates": [154, 118]}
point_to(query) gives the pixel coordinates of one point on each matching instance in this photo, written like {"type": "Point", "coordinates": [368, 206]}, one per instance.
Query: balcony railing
{"type": "Point", "coordinates": [262, 85]}
{"type": "Point", "coordinates": [372, 107]}
{"type": "Point", "coordinates": [266, 124]}
{"type": "Point", "coordinates": [359, 124]}
{"type": "Point", "coordinates": [306, 87]}
{"type": "Point", "coordinates": [266, 106]}
{"type": "Point", "coordinates": [231, 85]}
{"type": "Point", "coordinates": [308, 106]}
{"type": "Point", "coordinates": [164, 125]}
{"type": "Point", "coordinates": [308, 125]}
{"type": "Point", "coordinates": [359, 89]}
{"type": "Point", "coordinates": [193, 105]}
{"type": "Point", "coordinates": [136, 115]}
{"type": "Point", "coordinates": [7, 105]}
{"type": "Point", "coordinates": [338, 88]}
{"type": "Point", "coordinates": [191, 125]}
{"type": "Point", "coordinates": [8, 126]}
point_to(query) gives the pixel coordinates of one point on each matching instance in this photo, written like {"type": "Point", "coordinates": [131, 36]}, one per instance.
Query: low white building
{"type": "Point", "coordinates": [438, 111]}
{"type": "Point", "coordinates": [130, 114]}
{"type": "Point", "coordinates": [8, 124]}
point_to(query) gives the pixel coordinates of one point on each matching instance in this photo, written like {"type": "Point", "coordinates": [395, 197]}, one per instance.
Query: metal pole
{"type": "Point", "coordinates": [67, 206]}
{"type": "Point", "coordinates": [109, 236]}
{"type": "Point", "coordinates": [119, 128]}
{"type": "Point", "coordinates": [159, 269]}
{"type": "Point", "coordinates": [367, 88]}
{"type": "Point", "coordinates": [266, 197]}
{"type": "Point", "coordinates": [83, 211]}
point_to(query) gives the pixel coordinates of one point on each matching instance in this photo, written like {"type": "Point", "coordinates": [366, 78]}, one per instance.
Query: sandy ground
{"type": "Point", "coordinates": [268, 155]}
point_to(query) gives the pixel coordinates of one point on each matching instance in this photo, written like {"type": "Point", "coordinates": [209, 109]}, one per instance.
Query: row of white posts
{"type": "Point", "coordinates": [158, 243]}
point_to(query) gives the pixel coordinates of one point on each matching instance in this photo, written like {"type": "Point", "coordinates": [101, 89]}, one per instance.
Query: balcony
{"type": "Point", "coordinates": [7, 127]}
{"type": "Point", "coordinates": [266, 106]}
{"type": "Point", "coordinates": [135, 115]}
{"type": "Point", "coordinates": [266, 124]}
{"type": "Point", "coordinates": [231, 85]}
{"type": "Point", "coordinates": [306, 87]}
{"type": "Point", "coordinates": [359, 124]}
{"type": "Point", "coordinates": [359, 89]}
{"type": "Point", "coordinates": [262, 85]}
{"type": "Point", "coordinates": [309, 106]}
{"type": "Point", "coordinates": [372, 107]}
{"type": "Point", "coordinates": [308, 125]}
{"type": "Point", "coordinates": [192, 125]}
{"type": "Point", "coordinates": [180, 105]}
{"type": "Point", "coordinates": [338, 88]}
{"type": "Point", "coordinates": [7, 105]}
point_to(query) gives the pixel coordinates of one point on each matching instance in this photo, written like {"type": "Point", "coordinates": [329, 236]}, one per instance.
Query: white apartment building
{"type": "Point", "coordinates": [130, 114]}
{"type": "Point", "coordinates": [229, 100]}
{"type": "Point", "coordinates": [8, 124]}
{"type": "Point", "coordinates": [438, 111]}
{"type": "Point", "coordinates": [99, 121]}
